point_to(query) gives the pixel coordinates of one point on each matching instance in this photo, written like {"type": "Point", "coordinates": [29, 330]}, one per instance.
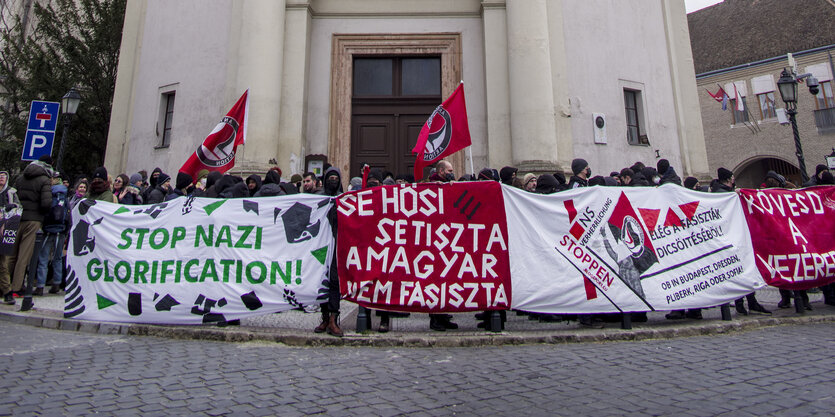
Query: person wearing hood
{"type": "Point", "coordinates": [561, 183]}
{"type": "Point", "coordinates": [375, 178]}
{"type": "Point", "coordinates": [330, 309]}
{"type": "Point", "coordinates": [651, 174]}
{"type": "Point", "coordinates": [507, 174]}
{"type": "Point", "coordinates": [181, 187]}
{"type": "Point", "coordinates": [211, 184]}
{"type": "Point", "coordinates": [8, 202]}
{"type": "Point", "coordinates": [132, 196]}
{"type": "Point", "coordinates": [34, 189]}
{"type": "Point", "coordinates": [55, 226]}
{"type": "Point", "coordinates": [157, 195]}
{"type": "Point", "coordinates": [253, 183]}
{"type": "Point", "coordinates": [546, 184]}
{"type": "Point", "coordinates": [816, 179]}
{"type": "Point", "coordinates": [581, 171]}
{"type": "Point", "coordinates": [668, 173]}
{"type": "Point", "coordinates": [271, 186]}
{"type": "Point", "coordinates": [638, 178]}
{"type": "Point", "coordinates": [153, 183]}
{"type": "Point", "coordinates": [231, 186]}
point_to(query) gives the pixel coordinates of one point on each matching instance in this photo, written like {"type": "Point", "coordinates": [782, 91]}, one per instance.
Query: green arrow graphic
{"type": "Point", "coordinates": [104, 302]}
{"type": "Point", "coordinates": [212, 207]}
{"type": "Point", "coordinates": [121, 209]}
{"type": "Point", "coordinates": [320, 254]}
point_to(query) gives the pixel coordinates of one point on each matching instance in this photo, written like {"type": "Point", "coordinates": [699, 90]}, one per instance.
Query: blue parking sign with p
{"type": "Point", "coordinates": [40, 133]}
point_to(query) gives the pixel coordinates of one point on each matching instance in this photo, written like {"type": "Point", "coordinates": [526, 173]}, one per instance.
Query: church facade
{"type": "Point", "coordinates": [352, 82]}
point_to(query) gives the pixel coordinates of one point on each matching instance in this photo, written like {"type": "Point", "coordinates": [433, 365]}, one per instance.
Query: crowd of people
{"type": "Point", "coordinates": [47, 197]}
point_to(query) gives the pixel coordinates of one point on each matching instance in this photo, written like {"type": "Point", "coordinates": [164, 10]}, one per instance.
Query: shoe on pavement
{"type": "Point", "coordinates": [27, 304]}
{"type": "Point", "coordinates": [694, 314]}
{"type": "Point", "coordinates": [675, 315]}
{"type": "Point", "coordinates": [784, 304]}
{"type": "Point", "coordinates": [8, 299]}
{"type": "Point", "coordinates": [38, 291]}
{"type": "Point", "coordinates": [758, 309]}
{"type": "Point", "coordinates": [740, 308]}
{"type": "Point", "coordinates": [54, 289]}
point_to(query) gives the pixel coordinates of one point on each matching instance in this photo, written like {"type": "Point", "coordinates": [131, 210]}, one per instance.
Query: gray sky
{"type": "Point", "coordinates": [693, 5]}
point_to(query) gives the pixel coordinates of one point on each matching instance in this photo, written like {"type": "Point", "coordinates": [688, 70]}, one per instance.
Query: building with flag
{"type": "Point", "coordinates": [354, 81]}
{"type": "Point", "coordinates": [743, 46]}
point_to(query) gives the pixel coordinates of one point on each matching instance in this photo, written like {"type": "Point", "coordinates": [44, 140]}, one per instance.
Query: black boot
{"type": "Point", "coordinates": [324, 324]}
{"type": "Point", "coordinates": [785, 299]}
{"type": "Point", "coordinates": [27, 304]}
{"type": "Point", "coordinates": [385, 323]}
{"type": "Point", "coordinates": [740, 307]}
{"type": "Point", "coordinates": [675, 315]}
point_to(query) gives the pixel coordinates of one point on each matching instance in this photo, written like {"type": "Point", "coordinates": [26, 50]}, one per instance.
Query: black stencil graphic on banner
{"type": "Point", "coordinates": [297, 226]}
{"type": "Point", "coordinates": [153, 211]}
{"type": "Point", "coordinates": [165, 303]}
{"type": "Point", "coordinates": [251, 301]}
{"type": "Point", "coordinates": [323, 203]}
{"type": "Point", "coordinates": [85, 205]}
{"type": "Point", "coordinates": [135, 303]}
{"type": "Point", "coordinates": [466, 205]}
{"type": "Point", "coordinates": [187, 205]}
{"type": "Point", "coordinates": [290, 298]}
{"type": "Point", "coordinates": [72, 298]}
{"type": "Point", "coordinates": [203, 307]}
{"type": "Point", "coordinates": [251, 206]}
{"type": "Point", "coordinates": [276, 212]}
{"type": "Point", "coordinates": [83, 242]}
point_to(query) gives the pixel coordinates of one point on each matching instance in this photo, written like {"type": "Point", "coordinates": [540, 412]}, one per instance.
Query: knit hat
{"type": "Point", "coordinates": [777, 177]}
{"type": "Point", "coordinates": [296, 178]}
{"type": "Point", "coordinates": [162, 178]}
{"type": "Point", "coordinates": [578, 165]}
{"type": "Point", "coordinates": [690, 182]}
{"type": "Point", "coordinates": [596, 180]}
{"type": "Point", "coordinates": [662, 165]}
{"type": "Point", "coordinates": [100, 172]}
{"type": "Point", "coordinates": [559, 177]}
{"type": "Point", "coordinates": [527, 178]}
{"type": "Point", "coordinates": [507, 173]}
{"type": "Point", "coordinates": [486, 174]}
{"type": "Point", "coordinates": [724, 174]}
{"type": "Point", "coordinates": [135, 178]}
{"type": "Point", "coordinates": [183, 180]}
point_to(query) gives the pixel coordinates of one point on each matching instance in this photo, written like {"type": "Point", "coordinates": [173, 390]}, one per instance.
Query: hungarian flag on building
{"type": "Point", "coordinates": [217, 152]}
{"type": "Point", "coordinates": [445, 133]}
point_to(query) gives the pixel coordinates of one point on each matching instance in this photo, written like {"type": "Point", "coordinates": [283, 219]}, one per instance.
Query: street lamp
{"type": "Point", "coordinates": [69, 105]}
{"type": "Point", "coordinates": [787, 84]}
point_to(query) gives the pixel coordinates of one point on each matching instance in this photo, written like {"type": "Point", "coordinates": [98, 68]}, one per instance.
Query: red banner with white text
{"type": "Point", "coordinates": [425, 248]}
{"type": "Point", "coordinates": [792, 233]}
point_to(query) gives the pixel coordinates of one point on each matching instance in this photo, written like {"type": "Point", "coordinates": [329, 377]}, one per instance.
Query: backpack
{"type": "Point", "coordinates": [55, 220]}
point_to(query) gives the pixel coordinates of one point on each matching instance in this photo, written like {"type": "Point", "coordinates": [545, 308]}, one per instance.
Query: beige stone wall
{"type": "Point", "coordinates": [735, 146]}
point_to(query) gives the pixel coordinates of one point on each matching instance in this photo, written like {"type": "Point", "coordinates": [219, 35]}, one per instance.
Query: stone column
{"type": "Point", "coordinates": [257, 59]}
{"type": "Point", "coordinates": [291, 134]}
{"type": "Point", "coordinates": [532, 110]}
{"type": "Point", "coordinates": [499, 151]}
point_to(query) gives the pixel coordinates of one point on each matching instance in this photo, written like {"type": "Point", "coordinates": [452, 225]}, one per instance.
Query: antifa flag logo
{"type": "Point", "coordinates": [440, 132]}
{"type": "Point", "coordinates": [628, 231]}
{"type": "Point", "coordinates": [221, 150]}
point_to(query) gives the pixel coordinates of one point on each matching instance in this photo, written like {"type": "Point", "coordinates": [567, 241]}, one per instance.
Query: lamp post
{"type": "Point", "coordinates": [69, 105]}
{"type": "Point", "coordinates": [787, 85]}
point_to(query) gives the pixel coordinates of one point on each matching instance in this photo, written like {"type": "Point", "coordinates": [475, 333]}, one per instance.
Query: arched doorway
{"type": "Point", "coordinates": [752, 174]}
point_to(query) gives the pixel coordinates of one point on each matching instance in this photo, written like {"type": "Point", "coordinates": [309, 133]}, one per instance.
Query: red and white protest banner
{"type": "Point", "coordinates": [217, 152]}
{"type": "Point", "coordinates": [618, 249]}
{"type": "Point", "coordinates": [792, 232]}
{"type": "Point", "coordinates": [424, 247]}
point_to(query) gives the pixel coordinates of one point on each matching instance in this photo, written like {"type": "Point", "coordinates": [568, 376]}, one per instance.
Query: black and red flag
{"type": "Point", "coordinates": [445, 133]}
{"type": "Point", "coordinates": [217, 152]}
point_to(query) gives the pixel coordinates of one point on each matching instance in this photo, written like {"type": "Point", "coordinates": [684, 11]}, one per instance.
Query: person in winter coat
{"type": "Point", "coordinates": [529, 182]}
{"type": "Point", "coordinates": [157, 195]}
{"type": "Point", "coordinates": [120, 185]}
{"type": "Point", "coordinates": [8, 202]}
{"type": "Point", "coordinates": [153, 182]}
{"type": "Point", "coordinates": [330, 310]}
{"type": "Point", "coordinates": [816, 180]}
{"type": "Point", "coordinates": [100, 187]}
{"type": "Point", "coordinates": [55, 226]}
{"type": "Point", "coordinates": [253, 183]}
{"type": "Point", "coordinates": [211, 184]}
{"type": "Point", "coordinates": [181, 188]}
{"type": "Point", "coordinates": [507, 174]}
{"type": "Point", "coordinates": [271, 186]}
{"type": "Point", "coordinates": [668, 173]}
{"type": "Point", "coordinates": [34, 189]}
{"type": "Point", "coordinates": [81, 189]}
{"type": "Point", "coordinates": [725, 184]}
{"type": "Point", "coordinates": [231, 186]}
{"type": "Point", "coordinates": [581, 171]}
{"type": "Point", "coordinates": [132, 195]}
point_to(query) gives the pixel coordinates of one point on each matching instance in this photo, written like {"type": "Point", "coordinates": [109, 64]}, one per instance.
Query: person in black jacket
{"type": "Point", "coordinates": [8, 203]}
{"type": "Point", "coordinates": [330, 308]}
{"type": "Point", "coordinates": [668, 173]}
{"type": "Point", "coordinates": [581, 171]}
{"type": "Point", "coordinates": [157, 195]}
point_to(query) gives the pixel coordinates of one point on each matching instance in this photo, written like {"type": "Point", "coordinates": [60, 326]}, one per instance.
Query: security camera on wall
{"type": "Point", "coordinates": [814, 86]}
{"type": "Point", "coordinates": [599, 120]}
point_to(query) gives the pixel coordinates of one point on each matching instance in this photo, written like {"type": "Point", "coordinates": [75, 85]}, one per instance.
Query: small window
{"type": "Point", "coordinates": [767, 109]}
{"type": "Point", "coordinates": [168, 117]}
{"type": "Point", "coordinates": [739, 116]}
{"type": "Point", "coordinates": [824, 99]}
{"type": "Point", "coordinates": [373, 76]}
{"type": "Point", "coordinates": [421, 77]}
{"type": "Point", "coordinates": [634, 115]}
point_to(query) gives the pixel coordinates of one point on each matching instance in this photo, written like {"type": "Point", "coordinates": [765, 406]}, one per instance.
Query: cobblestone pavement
{"type": "Point", "coordinates": [783, 370]}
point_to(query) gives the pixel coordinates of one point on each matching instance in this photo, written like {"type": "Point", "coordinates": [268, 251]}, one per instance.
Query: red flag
{"type": "Point", "coordinates": [719, 96]}
{"type": "Point", "coordinates": [445, 133]}
{"type": "Point", "coordinates": [217, 152]}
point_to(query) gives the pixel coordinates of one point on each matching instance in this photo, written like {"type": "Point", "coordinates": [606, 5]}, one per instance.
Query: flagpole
{"type": "Point", "coordinates": [470, 155]}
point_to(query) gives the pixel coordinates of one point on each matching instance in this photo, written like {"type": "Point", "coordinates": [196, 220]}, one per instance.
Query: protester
{"type": "Point", "coordinates": [529, 182]}
{"type": "Point", "coordinates": [100, 187]}
{"type": "Point", "coordinates": [157, 195]}
{"type": "Point", "coordinates": [211, 184]}
{"type": "Point", "coordinates": [581, 170]}
{"type": "Point", "coordinates": [508, 174]}
{"type": "Point", "coordinates": [692, 183]}
{"type": "Point", "coordinates": [181, 188]}
{"type": "Point", "coordinates": [668, 173]}
{"type": "Point", "coordinates": [330, 309]}
{"type": "Point", "coordinates": [8, 202]}
{"type": "Point", "coordinates": [271, 185]}
{"type": "Point", "coordinates": [55, 225]}
{"type": "Point", "coordinates": [309, 183]}
{"type": "Point", "coordinates": [34, 189]}
{"type": "Point", "coordinates": [296, 180]}
{"type": "Point", "coordinates": [80, 193]}
{"type": "Point", "coordinates": [152, 184]}
{"type": "Point", "coordinates": [120, 186]}
{"type": "Point", "coordinates": [253, 183]}
{"type": "Point", "coordinates": [132, 194]}
{"type": "Point", "coordinates": [815, 180]}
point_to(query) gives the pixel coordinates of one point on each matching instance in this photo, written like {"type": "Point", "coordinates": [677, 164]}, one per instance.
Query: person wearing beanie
{"type": "Point", "coordinates": [181, 187]}
{"type": "Point", "coordinates": [581, 170]}
{"type": "Point", "coordinates": [692, 183]}
{"type": "Point", "coordinates": [507, 174]}
{"type": "Point", "coordinates": [668, 173]}
{"type": "Point", "coordinates": [529, 182]}
{"type": "Point", "coordinates": [816, 180]}
{"type": "Point", "coordinates": [597, 180]}
{"type": "Point", "coordinates": [375, 178]}
{"type": "Point", "coordinates": [132, 192]}
{"type": "Point", "coordinates": [100, 187]}
{"type": "Point", "coordinates": [158, 194]}
{"type": "Point", "coordinates": [296, 180]}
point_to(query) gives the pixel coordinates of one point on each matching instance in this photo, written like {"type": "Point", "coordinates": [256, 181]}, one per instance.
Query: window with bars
{"type": "Point", "coordinates": [824, 98]}
{"type": "Point", "coordinates": [167, 113]}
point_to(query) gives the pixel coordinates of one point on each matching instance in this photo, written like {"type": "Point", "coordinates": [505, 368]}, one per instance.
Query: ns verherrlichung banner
{"type": "Point", "coordinates": [198, 260]}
